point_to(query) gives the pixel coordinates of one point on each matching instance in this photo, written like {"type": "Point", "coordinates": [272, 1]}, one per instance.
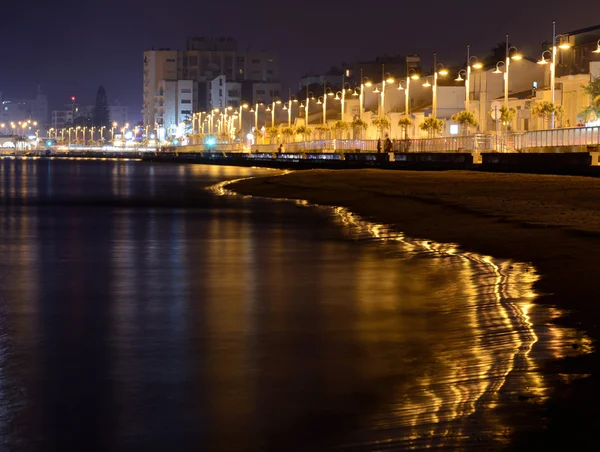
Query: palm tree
{"type": "Point", "coordinates": [358, 126]}
{"type": "Point", "coordinates": [405, 122]}
{"type": "Point", "coordinates": [323, 131]}
{"type": "Point", "coordinates": [545, 110]}
{"type": "Point", "coordinates": [305, 131]}
{"type": "Point", "coordinates": [273, 133]}
{"type": "Point", "coordinates": [466, 119]}
{"type": "Point", "coordinates": [432, 126]}
{"type": "Point", "coordinates": [288, 132]}
{"type": "Point", "coordinates": [382, 125]}
{"type": "Point", "coordinates": [339, 127]}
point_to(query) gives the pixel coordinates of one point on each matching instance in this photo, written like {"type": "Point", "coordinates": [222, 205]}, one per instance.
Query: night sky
{"type": "Point", "coordinates": [69, 47]}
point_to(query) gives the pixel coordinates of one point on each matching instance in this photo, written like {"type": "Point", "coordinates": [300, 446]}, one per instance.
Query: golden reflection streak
{"type": "Point", "coordinates": [498, 292]}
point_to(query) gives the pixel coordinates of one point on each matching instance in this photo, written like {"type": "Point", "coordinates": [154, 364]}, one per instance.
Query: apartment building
{"type": "Point", "coordinates": [205, 62]}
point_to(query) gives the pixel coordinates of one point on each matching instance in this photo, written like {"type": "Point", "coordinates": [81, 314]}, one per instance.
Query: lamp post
{"type": "Point", "coordinates": [364, 81]}
{"type": "Point", "coordinates": [112, 130]}
{"type": "Point", "coordinates": [324, 97]}
{"type": "Point", "coordinates": [242, 107]}
{"type": "Point", "coordinates": [442, 71]}
{"type": "Point", "coordinates": [476, 65]}
{"type": "Point", "coordinates": [409, 77]}
{"type": "Point", "coordinates": [272, 110]}
{"type": "Point", "coordinates": [309, 96]}
{"type": "Point", "coordinates": [386, 77]}
{"type": "Point", "coordinates": [293, 99]}
{"type": "Point", "coordinates": [516, 56]}
{"type": "Point", "coordinates": [563, 45]}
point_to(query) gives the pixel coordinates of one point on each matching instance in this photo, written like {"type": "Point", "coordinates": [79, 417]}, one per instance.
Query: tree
{"type": "Point", "coordinates": [305, 131]}
{"type": "Point", "coordinates": [288, 132]}
{"type": "Point", "coordinates": [323, 131]}
{"type": "Point", "coordinates": [497, 53]}
{"type": "Point", "coordinates": [506, 115]}
{"type": "Point", "coordinates": [382, 125]}
{"type": "Point", "coordinates": [272, 133]}
{"type": "Point", "coordinates": [358, 127]}
{"type": "Point", "coordinates": [466, 119]}
{"type": "Point", "coordinates": [432, 126]}
{"type": "Point", "coordinates": [592, 111]}
{"type": "Point", "coordinates": [405, 122]}
{"type": "Point", "coordinates": [101, 111]}
{"type": "Point", "coordinates": [339, 127]}
{"type": "Point", "coordinates": [546, 110]}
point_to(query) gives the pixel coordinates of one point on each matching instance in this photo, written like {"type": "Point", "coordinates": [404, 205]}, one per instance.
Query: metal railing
{"type": "Point", "coordinates": [573, 136]}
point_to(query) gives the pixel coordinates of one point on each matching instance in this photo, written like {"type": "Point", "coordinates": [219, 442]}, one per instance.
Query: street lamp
{"type": "Point", "coordinates": [364, 81]}
{"type": "Point", "coordinates": [563, 45]}
{"type": "Point", "coordinates": [242, 107]}
{"type": "Point", "coordinates": [324, 102]}
{"type": "Point", "coordinates": [515, 56]}
{"type": "Point", "coordinates": [476, 65]}
{"type": "Point", "coordinates": [442, 71]}
{"type": "Point", "coordinates": [290, 102]}
{"type": "Point", "coordinates": [411, 74]}
{"type": "Point", "coordinates": [276, 101]}
{"type": "Point", "coordinates": [386, 77]}
{"type": "Point", "coordinates": [112, 130]}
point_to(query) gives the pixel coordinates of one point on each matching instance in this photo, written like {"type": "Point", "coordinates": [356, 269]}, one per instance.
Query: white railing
{"type": "Point", "coordinates": [573, 136]}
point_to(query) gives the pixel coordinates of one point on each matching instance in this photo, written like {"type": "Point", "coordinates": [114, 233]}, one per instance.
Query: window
{"type": "Point", "coordinates": [256, 61]}
{"type": "Point", "coordinates": [220, 82]}
{"type": "Point", "coordinates": [220, 93]}
{"type": "Point", "coordinates": [260, 91]}
{"type": "Point", "coordinates": [186, 91]}
{"type": "Point", "coordinates": [186, 101]}
{"type": "Point", "coordinates": [240, 60]}
{"type": "Point", "coordinates": [186, 112]}
{"type": "Point", "coordinates": [241, 71]}
{"type": "Point", "coordinates": [170, 60]}
{"type": "Point", "coordinates": [453, 129]}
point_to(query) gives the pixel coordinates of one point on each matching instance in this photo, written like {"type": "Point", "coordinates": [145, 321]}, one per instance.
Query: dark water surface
{"type": "Point", "coordinates": [142, 312]}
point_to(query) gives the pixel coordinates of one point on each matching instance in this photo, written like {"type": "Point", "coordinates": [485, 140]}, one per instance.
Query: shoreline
{"type": "Point", "coordinates": [552, 222]}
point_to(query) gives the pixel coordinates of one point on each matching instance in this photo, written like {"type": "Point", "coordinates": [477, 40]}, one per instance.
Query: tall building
{"type": "Point", "coordinates": [158, 65]}
{"type": "Point", "coordinates": [174, 105]}
{"type": "Point", "coordinates": [207, 63]}
{"type": "Point", "coordinates": [25, 109]}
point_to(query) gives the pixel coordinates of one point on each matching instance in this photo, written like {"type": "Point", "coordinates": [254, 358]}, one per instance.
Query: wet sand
{"type": "Point", "coordinates": [550, 221]}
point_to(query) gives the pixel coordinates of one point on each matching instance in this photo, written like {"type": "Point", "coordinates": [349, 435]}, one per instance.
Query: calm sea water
{"type": "Point", "coordinates": [140, 311]}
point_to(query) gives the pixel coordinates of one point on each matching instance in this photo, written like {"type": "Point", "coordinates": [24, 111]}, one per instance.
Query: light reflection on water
{"type": "Point", "coordinates": [488, 355]}
{"type": "Point", "coordinates": [161, 317]}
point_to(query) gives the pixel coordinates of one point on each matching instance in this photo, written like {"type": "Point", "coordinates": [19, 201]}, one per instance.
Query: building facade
{"type": "Point", "coordinates": [17, 110]}
{"type": "Point", "coordinates": [208, 62]}
{"type": "Point", "coordinates": [174, 107]}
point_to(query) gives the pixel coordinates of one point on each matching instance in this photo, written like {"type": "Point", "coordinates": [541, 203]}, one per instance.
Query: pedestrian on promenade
{"type": "Point", "coordinates": [378, 145]}
{"type": "Point", "coordinates": [388, 144]}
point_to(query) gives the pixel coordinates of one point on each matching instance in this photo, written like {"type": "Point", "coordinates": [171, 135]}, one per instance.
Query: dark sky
{"type": "Point", "coordinates": [70, 47]}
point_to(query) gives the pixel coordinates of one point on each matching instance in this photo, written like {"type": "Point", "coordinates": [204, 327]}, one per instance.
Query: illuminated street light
{"type": "Point", "coordinates": [515, 56]}
{"type": "Point", "coordinates": [476, 65]}
{"type": "Point", "coordinates": [564, 44]}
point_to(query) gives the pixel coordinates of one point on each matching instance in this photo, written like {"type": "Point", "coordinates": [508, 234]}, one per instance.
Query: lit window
{"type": "Point", "coordinates": [453, 129]}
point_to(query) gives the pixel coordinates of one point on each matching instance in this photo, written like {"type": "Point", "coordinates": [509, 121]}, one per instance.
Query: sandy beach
{"type": "Point", "coordinates": [550, 221]}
